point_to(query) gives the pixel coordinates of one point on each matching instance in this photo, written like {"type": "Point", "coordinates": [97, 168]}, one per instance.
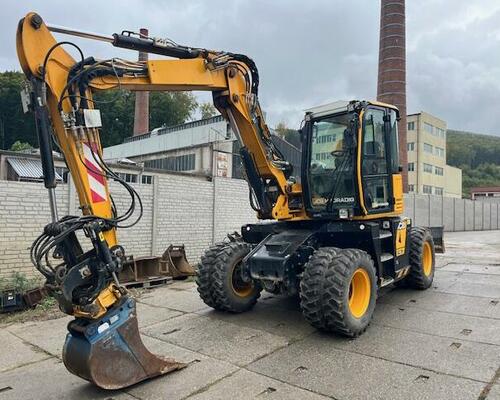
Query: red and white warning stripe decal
{"type": "Point", "coordinates": [97, 181]}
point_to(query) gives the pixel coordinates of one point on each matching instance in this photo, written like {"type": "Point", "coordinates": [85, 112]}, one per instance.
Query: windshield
{"type": "Point", "coordinates": [331, 167]}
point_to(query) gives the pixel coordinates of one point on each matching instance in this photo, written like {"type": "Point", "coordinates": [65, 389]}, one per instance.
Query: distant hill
{"type": "Point", "coordinates": [477, 155]}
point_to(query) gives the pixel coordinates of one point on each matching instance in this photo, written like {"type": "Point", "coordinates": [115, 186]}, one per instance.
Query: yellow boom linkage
{"type": "Point", "coordinates": [103, 344]}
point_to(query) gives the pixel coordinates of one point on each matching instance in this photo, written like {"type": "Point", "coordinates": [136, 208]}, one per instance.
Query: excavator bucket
{"type": "Point", "coordinates": [177, 263]}
{"type": "Point", "coordinates": [109, 351]}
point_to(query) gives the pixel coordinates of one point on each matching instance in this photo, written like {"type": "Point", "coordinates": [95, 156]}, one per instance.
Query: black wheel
{"type": "Point", "coordinates": [422, 259]}
{"type": "Point", "coordinates": [338, 290]}
{"type": "Point", "coordinates": [205, 272]}
{"type": "Point", "coordinates": [229, 291]}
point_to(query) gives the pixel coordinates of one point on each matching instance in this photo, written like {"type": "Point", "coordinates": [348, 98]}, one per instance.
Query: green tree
{"type": "Point", "coordinates": [19, 146]}
{"type": "Point", "coordinates": [478, 156]}
{"type": "Point", "coordinates": [208, 110]}
{"type": "Point", "coordinates": [290, 135]}
{"type": "Point", "coordinates": [14, 124]}
{"type": "Point", "coordinates": [117, 112]}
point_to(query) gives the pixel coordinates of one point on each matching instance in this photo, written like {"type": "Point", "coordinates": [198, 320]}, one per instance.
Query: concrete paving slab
{"type": "Point", "coordinates": [444, 279]}
{"type": "Point", "coordinates": [166, 349]}
{"type": "Point", "coordinates": [182, 285]}
{"type": "Point", "coordinates": [49, 379]}
{"type": "Point", "coordinates": [149, 315]}
{"type": "Point", "coordinates": [449, 356]}
{"type": "Point", "coordinates": [494, 393]}
{"type": "Point", "coordinates": [488, 269]}
{"type": "Point", "coordinates": [48, 335]}
{"type": "Point", "coordinates": [441, 260]}
{"type": "Point", "coordinates": [219, 339]}
{"type": "Point", "coordinates": [249, 385]}
{"type": "Point", "coordinates": [476, 285]}
{"type": "Point", "coordinates": [179, 300]}
{"type": "Point", "coordinates": [343, 375]}
{"type": "Point", "coordinates": [201, 373]}
{"type": "Point", "coordinates": [16, 353]}
{"type": "Point", "coordinates": [289, 324]}
{"type": "Point", "coordinates": [447, 302]}
{"type": "Point", "coordinates": [438, 323]}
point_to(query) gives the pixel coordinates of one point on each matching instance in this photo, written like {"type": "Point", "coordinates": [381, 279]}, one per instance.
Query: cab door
{"type": "Point", "coordinates": [379, 159]}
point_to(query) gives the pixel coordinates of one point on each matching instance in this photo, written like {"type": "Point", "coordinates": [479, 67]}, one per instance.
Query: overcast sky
{"type": "Point", "coordinates": [311, 52]}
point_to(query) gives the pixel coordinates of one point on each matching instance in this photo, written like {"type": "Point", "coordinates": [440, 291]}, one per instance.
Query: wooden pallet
{"type": "Point", "coordinates": [148, 283]}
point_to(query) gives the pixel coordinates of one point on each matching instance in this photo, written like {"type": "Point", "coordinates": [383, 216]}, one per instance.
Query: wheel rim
{"type": "Point", "coordinates": [359, 293]}
{"type": "Point", "coordinates": [240, 288]}
{"type": "Point", "coordinates": [427, 259]}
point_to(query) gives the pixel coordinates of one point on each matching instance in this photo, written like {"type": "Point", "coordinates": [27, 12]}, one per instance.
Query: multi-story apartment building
{"type": "Point", "coordinates": [427, 169]}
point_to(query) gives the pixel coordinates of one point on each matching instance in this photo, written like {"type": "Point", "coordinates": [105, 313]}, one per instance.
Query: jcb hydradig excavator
{"type": "Point", "coordinates": [337, 235]}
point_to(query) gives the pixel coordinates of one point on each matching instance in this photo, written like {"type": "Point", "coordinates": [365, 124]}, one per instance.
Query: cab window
{"type": "Point", "coordinates": [374, 165]}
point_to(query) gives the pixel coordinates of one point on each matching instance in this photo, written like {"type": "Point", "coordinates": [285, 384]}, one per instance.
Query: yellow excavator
{"type": "Point", "coordinates": [336, 233]}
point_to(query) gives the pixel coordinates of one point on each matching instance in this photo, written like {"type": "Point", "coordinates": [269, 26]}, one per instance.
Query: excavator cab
{"type": "Point", "coordinates": [350, 160]}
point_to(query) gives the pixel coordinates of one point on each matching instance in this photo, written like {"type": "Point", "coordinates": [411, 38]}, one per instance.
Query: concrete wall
{"type": "Point", "coordinates": [190, 210]}
{"type": "Point", "coordinates": [178, 209]}
{"type": "Point", "coordinates": [452, 213]}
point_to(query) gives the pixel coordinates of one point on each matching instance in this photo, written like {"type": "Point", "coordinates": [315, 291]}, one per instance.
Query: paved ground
{"type": "Point", "coordinates": [440, 344]}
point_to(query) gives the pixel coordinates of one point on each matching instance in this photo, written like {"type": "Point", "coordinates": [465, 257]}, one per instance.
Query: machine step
{"type": "Point", "coordinates": [384, 234]}
{"type": "Point", "coordinates": [386, 281]}
{"type": "Point", "coordinates": [386, 257]}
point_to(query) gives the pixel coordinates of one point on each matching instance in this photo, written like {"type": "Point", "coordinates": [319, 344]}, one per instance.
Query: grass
{"type": "Point", "coordinates": [45, 310]}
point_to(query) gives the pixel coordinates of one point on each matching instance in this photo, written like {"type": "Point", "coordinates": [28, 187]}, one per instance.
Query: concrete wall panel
{"type": "Point", "coordinates": [436, 211]}
{"type": "Point", "coordinates": [469, 215]}
{"type": "Point", "coordinates": [478, 215]}
{"type": "Point", "coordinates": [487, 216]}
{"type": "Point", "coordinates": [409, 209]}
{"type": "Point", "coordinates": [494, 216]}
{"type": "Point", "coordinates": [448, 213]}
{"type": "Point", "coordinates": [421, 210]}
{"type": "Point", "coordinates": [459, 215]}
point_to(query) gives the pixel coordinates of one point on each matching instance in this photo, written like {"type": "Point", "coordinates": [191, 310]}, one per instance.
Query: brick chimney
{"type": "Point", "coordinates": [392, 69]}
{"type": "Point", "coordinates": [141, 115]}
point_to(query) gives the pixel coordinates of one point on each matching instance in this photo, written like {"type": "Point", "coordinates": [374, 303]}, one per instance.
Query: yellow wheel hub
{"type": "Point", "coordinates": [359, 293]}
{"type": "Point", "coordinates": [427, 259]}
{"type": "Point", "coordinates": [240, 288]}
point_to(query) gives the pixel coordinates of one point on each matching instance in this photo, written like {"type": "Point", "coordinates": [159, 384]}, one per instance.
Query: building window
{"type": "Point", "coordinates": [411, 188]}
{"type": "Point", "coordinates": [440, 132]}
{"type": "Point", "coordinates": [428, 148]}
{"type": "Point", "coordinates": [427, 168]}
{"type": "Point", "coordinates": [428, 128]}
{"type": "Point", "coordinates": [439, 151]}
{"type": "Point", "coordinates": [63, 172]}
{"type": "Point", "coordinates": [411, 166]}
{"type": "Point", "coordinates": [146, 179]}
{"type": "Point", "coordinates": [439, 171]}
{"type": "Point", "coordinates": [411, 126]}
{"type": "Point", "coordinates": [130, 178]}
{"type": "Point", "coordinates": [185, 162]}
{"type": "Point", "coordinates": [427, 189]}
{"type": "Point", "coordinates": [326, 139]}
{"type": "Point", "coordinates": [323, 156]}
{"type": "Point", "coordinates": [411, 146]}
{"type": "Point", "coordinates": [438, 191]}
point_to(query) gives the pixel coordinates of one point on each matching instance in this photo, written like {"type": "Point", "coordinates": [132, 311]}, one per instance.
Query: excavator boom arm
{"type": "Point", "coordinates": [60, 91]}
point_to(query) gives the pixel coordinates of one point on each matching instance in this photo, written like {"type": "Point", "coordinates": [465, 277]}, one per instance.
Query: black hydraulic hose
{"type": "Point", "coordinates": [43, 129]}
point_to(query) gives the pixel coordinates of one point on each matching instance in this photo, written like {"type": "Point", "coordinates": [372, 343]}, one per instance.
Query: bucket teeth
{"type": "Point", "coordinates": [109, 351]}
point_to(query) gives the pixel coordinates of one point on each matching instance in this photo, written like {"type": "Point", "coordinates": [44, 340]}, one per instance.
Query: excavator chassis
{"type": "Point", "coordinates": [109, 352]}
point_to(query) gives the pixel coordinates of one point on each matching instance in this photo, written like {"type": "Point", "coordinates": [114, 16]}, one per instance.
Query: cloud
{"type": "Point", "coordinates": [313, 52]}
